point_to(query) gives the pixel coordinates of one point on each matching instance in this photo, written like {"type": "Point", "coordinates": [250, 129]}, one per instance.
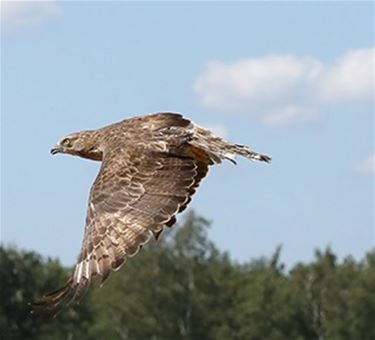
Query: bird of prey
{"type": "Point", "coordinates": [151, 167]}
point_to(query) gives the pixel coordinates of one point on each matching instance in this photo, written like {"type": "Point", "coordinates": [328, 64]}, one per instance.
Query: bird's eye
{"type": "Point", "coordinates": [66, 142]}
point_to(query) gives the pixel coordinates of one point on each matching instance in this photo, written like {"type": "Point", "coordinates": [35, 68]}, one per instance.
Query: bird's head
{"type": "Point", "coordinates": [85, 144]}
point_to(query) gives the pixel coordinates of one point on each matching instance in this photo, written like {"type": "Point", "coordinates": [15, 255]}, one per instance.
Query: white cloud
{"type": "Point", "coordinates": [351, 78]}
{"type": "Point", "coordinates": [18, 14]}
{"type": "Point", "coordinates": [367, 167]}
{"type": "Point", "coordinates": [286, 88]}
{"type": "Point", "coordinates": [247, 81]}
{"type": "Point", "coordinates": [290, 114]}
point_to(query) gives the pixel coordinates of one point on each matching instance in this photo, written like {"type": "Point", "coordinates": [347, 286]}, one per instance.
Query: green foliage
{"type": "Point", "coordinates": [24, 278]}
{"type": "Point", "coordinates": [172, 290]}
{"type": "Point", "coordinates": [183, 287]}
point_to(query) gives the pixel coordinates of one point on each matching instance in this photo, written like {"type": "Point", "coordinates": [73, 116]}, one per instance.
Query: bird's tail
{"type": "Point", "coordinates": [243, 150]}
{"type": "Point", "coordinates": [219, 149]}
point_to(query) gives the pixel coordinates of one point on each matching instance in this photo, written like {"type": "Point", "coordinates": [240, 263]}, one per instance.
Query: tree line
{"type": "Point", "coordinates": [184, 287]}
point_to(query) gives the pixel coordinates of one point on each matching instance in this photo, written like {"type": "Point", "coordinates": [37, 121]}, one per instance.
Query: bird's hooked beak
{"type": "Point", "coordinates": [57, 149]}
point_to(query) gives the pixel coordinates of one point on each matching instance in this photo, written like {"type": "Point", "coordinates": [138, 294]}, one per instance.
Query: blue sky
{"type": "Point", "coordinates": [292, 80]}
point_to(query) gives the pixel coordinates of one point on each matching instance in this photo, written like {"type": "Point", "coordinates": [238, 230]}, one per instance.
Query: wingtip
{"type": "Point", "coordinates": [52, 302]}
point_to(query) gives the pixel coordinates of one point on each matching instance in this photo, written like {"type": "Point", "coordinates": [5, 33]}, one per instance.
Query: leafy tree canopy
{"type": "Point", "coordinates": [183, 287]}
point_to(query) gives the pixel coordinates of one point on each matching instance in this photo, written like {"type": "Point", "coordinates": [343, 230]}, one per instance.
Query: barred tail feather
{"type": "Point", "coordinates": [245, 151]}
{"type": "Point", "coordinates": [219, 149]}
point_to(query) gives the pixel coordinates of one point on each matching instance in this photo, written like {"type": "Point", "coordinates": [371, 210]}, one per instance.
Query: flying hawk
{"type": "Point", "coordinates": [151, 166]}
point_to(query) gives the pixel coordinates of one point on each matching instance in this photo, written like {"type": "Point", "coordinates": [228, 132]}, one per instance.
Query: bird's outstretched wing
{"type": "Point", "coordinates": [151, 167]}
{"type": "Point", "coordinates": [136, 193]}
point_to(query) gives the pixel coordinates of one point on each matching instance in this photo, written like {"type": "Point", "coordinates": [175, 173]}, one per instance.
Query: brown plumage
{"type": "Point", "coordinates": [151, 166]}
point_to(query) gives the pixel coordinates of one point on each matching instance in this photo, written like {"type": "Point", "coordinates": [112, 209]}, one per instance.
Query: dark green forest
{"type": "Point", "coordinates": [183, 287]}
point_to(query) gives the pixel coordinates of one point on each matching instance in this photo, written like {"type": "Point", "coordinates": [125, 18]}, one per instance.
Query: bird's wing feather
{"type": "Point", "coordinates": [136, 193]}
{"type": "Point", "coordinates": [151, 167]}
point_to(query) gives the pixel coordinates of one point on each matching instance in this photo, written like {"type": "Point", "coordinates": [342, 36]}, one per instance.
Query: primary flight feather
{"type": "Point", "coordinates": [151, 166]}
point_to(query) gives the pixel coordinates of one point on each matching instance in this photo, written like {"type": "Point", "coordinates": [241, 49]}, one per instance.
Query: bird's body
{"type": "Point", "coordinates": [151, 166]}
